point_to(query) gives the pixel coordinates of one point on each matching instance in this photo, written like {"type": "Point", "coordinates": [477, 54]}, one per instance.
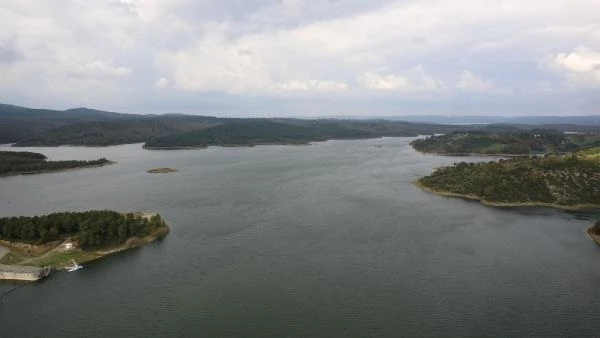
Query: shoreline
{"type": "Point", "coordinates": [472, 154]}
{"type": "Point", "coordinates": [593, 235]}
{"type": "Point", "coordinates": [57, 170]}
{"type": "Point", "coordinates": [228, 146]}
{"type": "Point", "coordinates": [575, 207]}
{"type": "Point", "coordinates": [307, 143]}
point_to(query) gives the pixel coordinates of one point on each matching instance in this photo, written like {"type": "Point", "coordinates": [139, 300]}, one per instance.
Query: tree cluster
{"type": "Point", "coordinates": [92, 229]}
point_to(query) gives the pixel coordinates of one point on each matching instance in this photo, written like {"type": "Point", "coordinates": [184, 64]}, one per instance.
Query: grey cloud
{"type": "Point", "coordinates": [10, 52]}
{"type": "Point", "coordinates": [285, 56]}
{"type": "Point", "coordinates": [8, 55]}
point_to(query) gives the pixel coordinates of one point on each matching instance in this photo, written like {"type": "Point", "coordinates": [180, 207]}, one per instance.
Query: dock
{"type": "Point", "coordinates": [22, 272]}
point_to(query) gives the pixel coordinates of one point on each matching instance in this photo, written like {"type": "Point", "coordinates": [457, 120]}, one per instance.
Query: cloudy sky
{"type": "Point", "coordinates": [303, 57]}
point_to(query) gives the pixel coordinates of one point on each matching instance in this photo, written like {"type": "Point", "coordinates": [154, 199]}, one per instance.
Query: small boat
{"type": "Point", "coordinates": [74, 267]}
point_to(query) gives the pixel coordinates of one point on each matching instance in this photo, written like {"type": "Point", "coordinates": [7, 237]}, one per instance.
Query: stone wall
{"type": "Point", "coordinates": [23, 273]}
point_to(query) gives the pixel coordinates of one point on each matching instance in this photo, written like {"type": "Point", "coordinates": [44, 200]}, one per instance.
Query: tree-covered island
{"type": "Point", "coordinates": [24, 162]}
{"type": "Point", "coordinates": [55, 239]}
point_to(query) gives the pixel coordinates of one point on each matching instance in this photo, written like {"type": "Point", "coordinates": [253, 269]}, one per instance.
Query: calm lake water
{"type": "Point", "coordinates": [323, 240]}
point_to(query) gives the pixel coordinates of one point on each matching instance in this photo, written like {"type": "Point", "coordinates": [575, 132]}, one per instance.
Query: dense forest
{"type": "Point", "coordinates": [249, 132]}
{"type": "Point", "coordinates": [560, 180]}
{"type": "Point", "coordinates": [515, 143]}
{"type": "Point", "coordinates": [115, 131]}
{"type": "Point", "coordinates": [257, 132]}
{"type": "Point", "coordinates": [17, 123]}
{"type": "Point", "coordinates": [92, 229]}
{"type": "Point", "coordinates": [88, 127]}
{"type": "Point", "coordinates": [23, 162]}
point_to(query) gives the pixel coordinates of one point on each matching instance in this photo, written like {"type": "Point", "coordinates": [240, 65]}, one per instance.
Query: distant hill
{"type": "Point", "coordinates": [115, 131]}
{"type": "Point", "coordinates": [253, 132]}
{"type": "Point", "coordinates": [19, 122]}
{"type": "Point", "coordinates": [89, 127]}
{"type": "Point", "coordinates": [249, 132]}
{"type": "Point", "coordinates": [83, 126]}
{"type": "Point", "coordinates": [16, 112]}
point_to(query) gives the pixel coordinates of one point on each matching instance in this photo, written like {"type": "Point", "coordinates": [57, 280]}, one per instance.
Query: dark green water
{"type": "Point", "coordinates": [323, 240]}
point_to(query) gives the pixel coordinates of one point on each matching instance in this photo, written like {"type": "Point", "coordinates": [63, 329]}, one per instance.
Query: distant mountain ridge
{"type": "Point", "coordinates": [11, 111]}
{"type": "Point", "coordinates": [90, 127]}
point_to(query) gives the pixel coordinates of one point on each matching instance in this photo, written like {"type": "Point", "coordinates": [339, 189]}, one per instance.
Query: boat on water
{"type": "Point", "coordinates": [74, 267]}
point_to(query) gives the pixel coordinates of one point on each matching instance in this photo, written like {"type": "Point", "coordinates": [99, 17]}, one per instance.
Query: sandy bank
{"type": "Point", "coordinates": [595, 237]}
{"type": "Point", "coordinates": [3, 251]}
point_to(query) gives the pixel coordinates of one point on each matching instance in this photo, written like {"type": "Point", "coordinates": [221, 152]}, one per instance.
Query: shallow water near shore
{"type": "Point", "coordinates": [330, 239]}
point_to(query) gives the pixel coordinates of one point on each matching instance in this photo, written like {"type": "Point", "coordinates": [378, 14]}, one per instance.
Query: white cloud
{"type": "Point", "coordinates": [96, 69]}
{"type": "Point", "coordinates": [468, 81]}
{"type": "Point", "coordinates": [316, 85]}
{"type": "Point", "coordinates": [162, 83]}
{"type": "Point", "coordinates": [413, 80]}
{"type": "Point", "coordinates": [581, 67]}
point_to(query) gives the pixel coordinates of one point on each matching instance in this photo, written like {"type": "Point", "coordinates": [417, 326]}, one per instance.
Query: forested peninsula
{"type": "Point", "coordinates": [23, 162]}
{"type": "Point", "coordinates": [42, 240]}
{"type": "Point", "coordinates": [565, 182]}
{"type": "Point", "coordinates": [536, 141]}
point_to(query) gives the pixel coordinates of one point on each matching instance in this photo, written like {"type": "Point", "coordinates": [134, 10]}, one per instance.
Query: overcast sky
{"type": "Point", "coordinates": [303, 57]}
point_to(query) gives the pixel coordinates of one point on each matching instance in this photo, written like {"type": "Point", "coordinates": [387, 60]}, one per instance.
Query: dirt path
{"type": "Point", "coordinates": [58, 247]}
{"type": "Point", "coordinates": [3, 251]}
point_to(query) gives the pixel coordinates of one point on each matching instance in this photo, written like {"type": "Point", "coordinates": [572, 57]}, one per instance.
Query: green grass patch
{"type": "Point", "coordinates": [62, 259]}
{"type": "Point", "coordinates": [12, 258]}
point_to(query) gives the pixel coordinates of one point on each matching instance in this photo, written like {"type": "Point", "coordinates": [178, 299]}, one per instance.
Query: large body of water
{"type": "Point", "coordinates": [324, 240]}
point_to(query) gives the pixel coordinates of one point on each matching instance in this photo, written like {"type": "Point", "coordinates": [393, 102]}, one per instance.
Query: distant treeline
{"type": "Point", "coordinates": [561, 180]}
{"type": "Point", "coordinates": [249, 132]}
{"type": "Point", "coordinates": [22, 162]}
{"type": "Point", "coordinates": [514, 143]}
{"type": "Point", "coordinates": [115, 131]}
{"type": "Point", "coordinates": [257, 132]}
{"type": "Point", "coordinates": [82, 126]}
{"type": "Point", "coordinates": [93, 229]}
